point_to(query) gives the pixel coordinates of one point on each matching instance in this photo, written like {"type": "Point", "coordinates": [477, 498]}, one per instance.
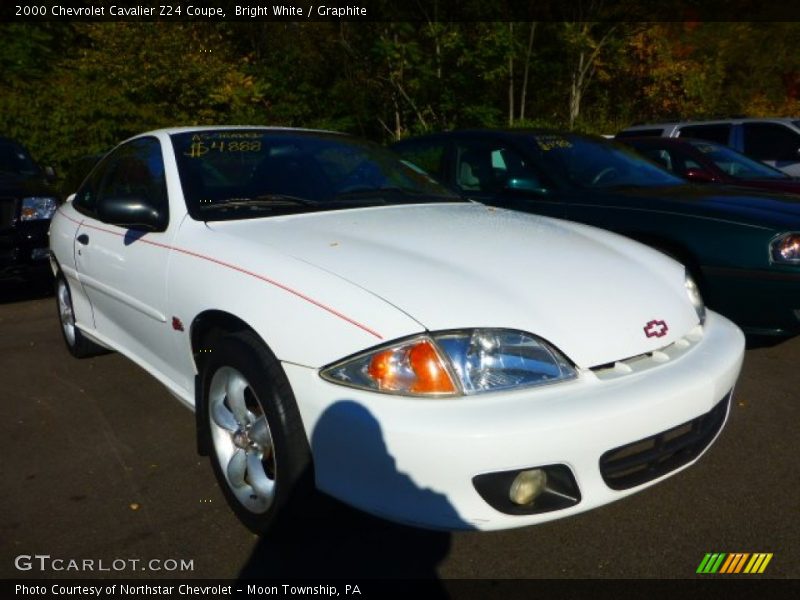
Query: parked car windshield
{"type": "Point", "coordinates": [595, 163]}
{"type": "Point", "coordinates": [242, 173]}
{"type": "Point", "coordinates": [737, 165]}
{"type": "Point", "coordinates": [15, 159]}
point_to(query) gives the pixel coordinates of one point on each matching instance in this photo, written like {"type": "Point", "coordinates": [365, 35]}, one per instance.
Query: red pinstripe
{"type": "Point", "coordinates": [240, 270]}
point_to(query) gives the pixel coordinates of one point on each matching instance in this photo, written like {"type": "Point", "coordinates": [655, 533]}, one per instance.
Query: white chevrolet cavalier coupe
{"type": "Point", "coordinates": [337, 319]}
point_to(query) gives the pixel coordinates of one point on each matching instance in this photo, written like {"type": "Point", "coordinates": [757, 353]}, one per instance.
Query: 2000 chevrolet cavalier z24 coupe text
{"type": "Point", "coordinates": [338, 319]}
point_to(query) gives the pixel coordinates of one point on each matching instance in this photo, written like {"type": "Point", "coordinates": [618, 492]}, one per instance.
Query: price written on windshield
{"type": "Point", "coordinates": [200, 147]}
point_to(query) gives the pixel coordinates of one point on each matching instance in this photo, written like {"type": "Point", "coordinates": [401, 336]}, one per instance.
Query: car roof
{"type": "Point", "coordinates": [710, 121]}
{"type": "Point", "coordinates": [514, 130]}
{"type": "Point", "coordinates": [499, 131]}
{"type": "Point", "coordinates": [670, 141]}
{"type": "Point", "coordinates": [202, 128]}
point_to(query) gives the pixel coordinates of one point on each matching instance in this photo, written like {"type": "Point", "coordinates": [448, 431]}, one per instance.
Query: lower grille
{"type": "Point", "coordinates": [8, 209]}
{"type": "Point", "coordinates": [639, 462]}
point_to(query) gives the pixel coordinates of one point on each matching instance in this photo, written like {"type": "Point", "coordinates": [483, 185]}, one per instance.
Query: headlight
{"type": "Point", "coordinates": [454, 363]}
{"type": "Point", "coordinates": [786, 249]}
{"type": "Point", "coordinates": [38, 207]}
{"type": "Point", "coordinates": [697, 300]}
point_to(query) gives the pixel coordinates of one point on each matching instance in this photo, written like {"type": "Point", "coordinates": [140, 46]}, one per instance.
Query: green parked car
{"type": "Point", "coordinates": [741, 245]}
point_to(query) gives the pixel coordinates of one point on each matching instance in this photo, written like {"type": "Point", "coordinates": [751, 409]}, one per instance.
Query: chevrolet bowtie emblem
{"type": "Point", "coordinates": [656, 328]}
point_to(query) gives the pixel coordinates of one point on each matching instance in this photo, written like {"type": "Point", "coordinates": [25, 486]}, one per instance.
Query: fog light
{"type": "Point", "coordinates": [527, 486]}
{"type": "Point", "coordinates": [529, 491]}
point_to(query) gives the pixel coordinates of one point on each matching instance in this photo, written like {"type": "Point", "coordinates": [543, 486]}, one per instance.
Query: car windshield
{"type": "Point", "coordinates": [14, 159]}
{"type": "Point", "coordinates": [594, 163]}
{"type": "Point", "coordinates": [242, 173]}
{"type": "Point", "coordinates": [737, 165]}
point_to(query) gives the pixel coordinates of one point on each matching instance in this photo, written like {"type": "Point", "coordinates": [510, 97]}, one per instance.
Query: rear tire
{"type": "Point", "coordinates": [258, 446]}
{"type": "Point", "coordinates": [77, 343]}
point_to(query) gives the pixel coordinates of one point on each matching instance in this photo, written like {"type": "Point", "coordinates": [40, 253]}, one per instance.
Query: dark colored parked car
{"type": "Point", "coordinates": [27, 202]}
{"type": "Point", "coordinates": [742, 247]}
{"type": "Point", "coordinates": [706, 162]}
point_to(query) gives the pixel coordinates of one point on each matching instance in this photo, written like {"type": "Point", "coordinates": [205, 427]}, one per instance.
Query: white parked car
{"type": "Point", "coordinates": [338, 319]}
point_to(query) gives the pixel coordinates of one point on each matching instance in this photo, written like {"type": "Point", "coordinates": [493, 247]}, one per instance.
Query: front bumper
{"type": "Point", "coordinates": [414, 461]}
{"type": "Point", "coordinates": [24, 250]}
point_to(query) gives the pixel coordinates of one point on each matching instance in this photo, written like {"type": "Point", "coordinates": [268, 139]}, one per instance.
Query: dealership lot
{"type": "Point", "coordinates": [99, 465]}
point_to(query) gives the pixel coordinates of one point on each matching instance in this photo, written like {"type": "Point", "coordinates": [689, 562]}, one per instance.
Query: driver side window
{"type": "Point", "coordinates": [85, 201]}
{"type": "Point", "coordinates": [135, 171]}
{"type": "Point", "coordinates": [492, 168]}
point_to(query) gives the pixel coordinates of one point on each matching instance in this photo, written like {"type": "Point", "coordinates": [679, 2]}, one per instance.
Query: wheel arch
{"type": "Point", "coordinates": [206, 328]}
{"type": "Point", "coordinates": [210, 325]}
{"type": "Point", "coordinates": [55, 266]}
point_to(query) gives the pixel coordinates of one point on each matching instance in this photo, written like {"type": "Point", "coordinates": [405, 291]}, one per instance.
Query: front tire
{"type": "Point", "coordinates": [258, 447]}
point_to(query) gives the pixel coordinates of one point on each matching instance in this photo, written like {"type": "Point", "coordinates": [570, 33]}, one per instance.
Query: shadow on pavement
{"type": "Point", "coordinates": [337, 541]}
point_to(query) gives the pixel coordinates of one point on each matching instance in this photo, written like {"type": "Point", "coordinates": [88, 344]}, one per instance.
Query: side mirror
{"type": "Point", "coordinates": [699, 176]}
{"type": "Point", "coordinates": [50, 174]}
{"type": "Point", "coordinates": [524, 184]}
{"type": "Point", "coordinates": [132, 213]}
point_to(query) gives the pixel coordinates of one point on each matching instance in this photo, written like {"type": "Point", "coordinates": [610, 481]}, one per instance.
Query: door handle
{"type": "Point", "coordinates": [83, 239]}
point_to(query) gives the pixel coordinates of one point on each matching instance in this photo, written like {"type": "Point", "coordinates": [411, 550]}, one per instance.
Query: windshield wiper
{"type": "Point", "coordinates": [262, 201]}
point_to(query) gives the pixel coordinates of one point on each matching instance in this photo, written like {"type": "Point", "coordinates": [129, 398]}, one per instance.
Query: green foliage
{"type": "Point", "coordinates": [76, 89]}
{"type": "Point", "coordinates": [30, 49]}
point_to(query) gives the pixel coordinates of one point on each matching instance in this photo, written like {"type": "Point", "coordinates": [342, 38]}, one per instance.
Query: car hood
{"type": "Point", "coordinates": [451, 266]}
{"type": "Point", "coordinates": [770, 209]}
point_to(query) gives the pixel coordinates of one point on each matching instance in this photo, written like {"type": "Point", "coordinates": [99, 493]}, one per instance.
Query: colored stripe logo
{"type": "Point", "coordinates": [734, 562]}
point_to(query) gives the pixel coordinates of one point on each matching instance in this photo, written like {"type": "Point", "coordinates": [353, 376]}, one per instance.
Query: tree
{"type": "Point", "coordinates": [584, 42]}
{"type": "Point", "coordinates": [121, 78]}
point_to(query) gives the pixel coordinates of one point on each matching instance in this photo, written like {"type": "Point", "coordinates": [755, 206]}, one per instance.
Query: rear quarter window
{"type": "Point", "coordinates": [719, 133]}
{"type": "Point", "coordinates": [771, 141]}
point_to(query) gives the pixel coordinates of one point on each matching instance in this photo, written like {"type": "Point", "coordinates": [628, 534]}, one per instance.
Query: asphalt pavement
{"type": "Point", "coordinates": [99, 464]}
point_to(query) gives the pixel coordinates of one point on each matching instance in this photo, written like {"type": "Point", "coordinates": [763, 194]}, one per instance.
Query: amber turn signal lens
{"type": "Point", "coordinates": [381, 369]}
{"type": "Point", "coordinates": [417, 368]}
{"type": "Point", "coordinates": [432, 377]}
